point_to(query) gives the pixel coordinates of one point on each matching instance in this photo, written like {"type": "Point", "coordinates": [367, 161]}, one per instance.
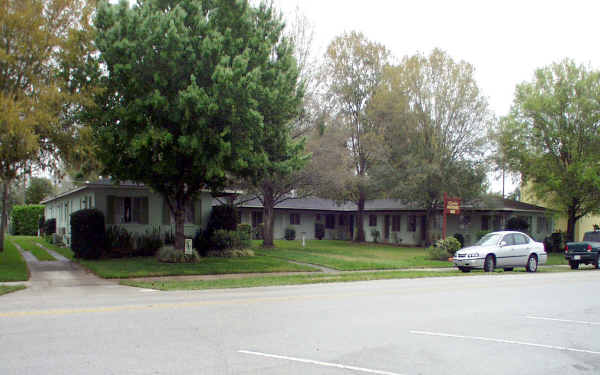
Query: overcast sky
{"type": "Point", "coordinates": [504, 40]}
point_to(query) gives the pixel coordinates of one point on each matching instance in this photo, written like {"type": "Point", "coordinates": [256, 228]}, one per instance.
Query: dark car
{"type": "Point", "coordinates": [586, 251]}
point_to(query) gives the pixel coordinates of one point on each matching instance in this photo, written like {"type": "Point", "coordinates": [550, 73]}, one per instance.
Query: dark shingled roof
{"type": "Point", "coordinates": [488, 203]}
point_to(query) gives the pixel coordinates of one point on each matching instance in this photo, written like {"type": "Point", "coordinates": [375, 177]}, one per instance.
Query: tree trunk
{"type": "Point", "coordinates": [268, 215]}
{"type": "Point", "coordinates": [427, 226]}
{"type": "Point", "coordinates": [4, 220]}
{"type": "Point", "coordinates": [360, 229]}
{"type": "Point", "coordinates": [571, 221]}
{"type": "Point", "coordinates": [179, 215]}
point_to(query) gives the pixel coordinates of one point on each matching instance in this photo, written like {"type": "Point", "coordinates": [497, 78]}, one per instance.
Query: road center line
{"type": "Point", "coordinates": [319, 363]}
{"type": "Point", "coordinates": [564, 320]}
{"type": "Point", "coordinates": [563, 348]}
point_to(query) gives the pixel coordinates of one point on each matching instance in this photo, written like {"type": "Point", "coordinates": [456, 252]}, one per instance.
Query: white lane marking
{"type": "Point", "coordinates": [564, 320]}
{"type": "Point", "coordinates": [148, 290]}
{"type": "Point", "coordinates": [505, 341]}
{"type": "Point", "coordinates": [319, 363]}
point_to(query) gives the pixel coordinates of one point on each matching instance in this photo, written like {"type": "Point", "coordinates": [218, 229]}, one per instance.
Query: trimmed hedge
{"type": "Point", "coordinates": [25, 219]}
{"type": "Point", "coordinates": [87, 233]}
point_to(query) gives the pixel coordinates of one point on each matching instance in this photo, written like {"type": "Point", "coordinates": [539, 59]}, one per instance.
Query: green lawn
{"type": "Point", "coordinates": [28, 243]}
{"type": "Point", "coordinates": [12, 264]}
{"type": "Point", "coordinates": [5, 289]}
{"type": "Point", "coordinates": [349, 256]}
{"type": "Point", "coordinates": [249, 282]}
{"type": "Point", "coordinates": [64, 251]}
{"type": "Point", "coordinates": [149, 266]}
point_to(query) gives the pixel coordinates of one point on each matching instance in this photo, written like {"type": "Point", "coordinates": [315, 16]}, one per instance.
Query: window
{"type": "Point", "coordinates": [521, 239]}
{"type": "Point", "coordinates": [342, 220]}
{"type": "Point", "coordinates": [122, 210]}
{"type": "Point", "coordinates": [257, 218]}
{"type": "Point", "coordinates": [330, 221]}
{"type": "Point", "coordinates": [485, 222]}
{"type": "Point", "coordinates": [465, 221]}
{"type": "Point", "coordinates": [372, 220]}
{"type": "Point", "coordinates": [396, 223]}
{"type": "Point", "coordinates": [542, 224]}
{"type": "Point", "coordinates": [295, 219]}
{"type": "Point", "coordinates": [509, 239]}
{"type": "Point", "coordinates": [412, 223]}
{"type": "Point", "coordinates": [318, 217]}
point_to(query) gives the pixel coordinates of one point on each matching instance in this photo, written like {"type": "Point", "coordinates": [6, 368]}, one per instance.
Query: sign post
{"type": "Point", "coordinates": [452, 207]}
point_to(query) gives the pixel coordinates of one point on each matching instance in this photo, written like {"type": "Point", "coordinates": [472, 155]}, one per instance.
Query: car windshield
{"type": "Point", "coordinates": [592, 236]}
{"type": "Point", "coordinates": [489, 239]}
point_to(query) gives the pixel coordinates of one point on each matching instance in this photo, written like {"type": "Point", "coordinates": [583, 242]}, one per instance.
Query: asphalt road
{"type": "Point", "coordinates": [488, 324]}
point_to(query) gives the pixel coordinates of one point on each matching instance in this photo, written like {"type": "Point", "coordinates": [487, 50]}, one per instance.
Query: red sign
{"type": "Point", "coordinates": [453, 206]}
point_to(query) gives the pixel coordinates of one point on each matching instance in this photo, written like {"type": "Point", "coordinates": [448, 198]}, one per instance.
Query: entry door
{"type": "Point", "coordinates": [505, 256]}
{"type": "Point", "coordinates": [351, 227]}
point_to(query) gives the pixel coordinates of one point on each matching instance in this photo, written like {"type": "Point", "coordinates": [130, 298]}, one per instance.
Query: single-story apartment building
{"type": "Point", "coordinates": [138, 209]}
{"type": "Point", "coordinates": [395, 221]}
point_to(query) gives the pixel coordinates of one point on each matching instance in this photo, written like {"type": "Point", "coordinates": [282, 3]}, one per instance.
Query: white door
{"type": "Point", "coordinates": [506, 253]}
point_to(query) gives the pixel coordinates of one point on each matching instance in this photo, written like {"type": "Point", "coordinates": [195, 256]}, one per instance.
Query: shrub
{"type": "Point", "coordinates": [149, 243]}
{"type": "Point", "coordinates": [119, 242]}
{"type": "Point", "coordinates": [231, 253]}
{"type": "Point", "coordinates": [396, 238]}
{"type": "Point", "coordinates": [557, 242]}
{"type": "Point", "coordinates": [290, 234]}
{"type": "Point", "coordinates": [437, 253]}
{"type": "Point", "coordinates": [518, 224]}
{"type": "Point", "coordinates": [168, 254]}
{"type": "Point", "coordinates": [87, 233]}
{"type": "Point", "coordinates": [450, 245]}
{"type": "Point", "coordinates": [222, 217]}
{"type": "Point", "coordinates": [169, 238]}
{"type": "Point", "coordinates": [375, 234]}
{"type": "Point", "coordinates": [50, 226]}
{"type": "Point", "coordinates": [245, 228]}
{"type": "Point", "coordinates": [25, 219]}
{"type": "Point", "coordinates": [482, 233]}
{"type": "Point", "coordinates": [319, 231]}
{"type": "Point", "coordinates": [460, 239]}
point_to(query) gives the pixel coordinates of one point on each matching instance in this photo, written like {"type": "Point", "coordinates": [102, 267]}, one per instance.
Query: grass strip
{"type": "Point", "coordinates": [12, 265]}
{"type": "Point", "coordinates": [5, 289]}
{"type": "Point", "coordinates": [64, 251]}
{"type": "Point", "coordinates": [250, 282]}
{"type": "Point", "coordinates": [150, 266]}
{"type": "Point", "coordinates": [29, 244]}
{"type": "Point", "coordinates": [350, 256]}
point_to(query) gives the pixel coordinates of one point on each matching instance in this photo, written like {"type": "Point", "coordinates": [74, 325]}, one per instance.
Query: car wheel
{"type": "Point", "coordinates": [508, 269]}
{"type": "Point", "coordinates": [488, 265]}
{"type": "Point", "coordinates": [464, 269]}
{"type": "Point", "coordinates": [596, 261]}
{"type": "Point", "coordinates": [574, 264]}
{"type": "Point", "coordinates": [532, 263]}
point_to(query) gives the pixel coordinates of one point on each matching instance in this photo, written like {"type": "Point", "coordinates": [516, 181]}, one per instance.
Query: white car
{"type": "Point", "coordinates": [502, 250]}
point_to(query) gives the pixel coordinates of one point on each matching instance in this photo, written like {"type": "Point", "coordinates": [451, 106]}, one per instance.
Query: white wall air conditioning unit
{"type": "Point", "coordinates": [62, 231]}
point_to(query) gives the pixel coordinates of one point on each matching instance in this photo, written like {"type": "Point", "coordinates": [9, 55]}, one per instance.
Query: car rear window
{"type": "Point", "coordinates": [592, 237]}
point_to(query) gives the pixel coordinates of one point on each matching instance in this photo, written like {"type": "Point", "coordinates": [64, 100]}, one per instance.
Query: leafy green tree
{"type": "Point", "coordinates": [435, 123]}
{"type": "Point", "coordinates": [352, 70]}
{"type": "Point", "coordinates": [552, 137]}
{"type": "Point", "coordinates": [38, 189]}
{"type": "Point", "coordinates": [36, 37]}
{"type": "Point", "coordinates": [192, 94]}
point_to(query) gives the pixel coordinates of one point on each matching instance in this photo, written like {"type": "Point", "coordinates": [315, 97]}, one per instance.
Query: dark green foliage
{"type": "Point", "coordinates": [319, 231]}
{"type": "Point", "coordinates": [191, 88]}
{"type": "Point", "coordinates": [148, 244]}
{"type": "Point", "coordinates": [50, 226]}
{"type": "Point", "coordinates": [38, 189]}
{"type": "Point", "coordinates": [225, 239]}
{"type": "Point", "coordinates": [25, 219]}
{"type": "Point", "coordinates": [460, 239]}
{"type": "Point", "coordinates": [290, 234]}
{"type": "Point", "coordinates": [246, 228]}
{"type": "Point", "coordinates": [222, 217]}
{"type": "Point", "coordinates": [557, 242]}
{"type": "Point", "coordinates": [168, 254]}
{"type": "Point", "coordinates": [121, 243]}
{"type": "Point", "coordinates": [375, 233]}
{"type": "Point", "coordinates": [518, 224]}
{"type": "Point", "coordinates": [88, 234]}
